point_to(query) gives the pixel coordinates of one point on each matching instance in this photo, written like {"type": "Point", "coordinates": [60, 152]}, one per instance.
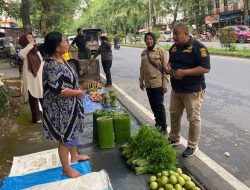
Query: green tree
{"type": "Point", "coordinates": [227, 37]}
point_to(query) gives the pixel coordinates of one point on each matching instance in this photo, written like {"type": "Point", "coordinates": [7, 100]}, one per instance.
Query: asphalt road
{"type": "Point", "coordinates": [225, 111]}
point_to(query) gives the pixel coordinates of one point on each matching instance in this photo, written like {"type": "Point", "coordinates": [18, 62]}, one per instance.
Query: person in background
{"type": "Point", "coordinates": [189, 61]}
{"type": "Point", "coordinates": [12, 48]}
{"type": "Point", "coordinates": [32, 64]}
{"type": "Point", "coordinates": [153, 76]}
{"type": "Point", "coordinates": [62, 104]}
{"type": "Point", "coordinates": [80, 42]}
{"type": "Point", "coordinates": [106, 57]}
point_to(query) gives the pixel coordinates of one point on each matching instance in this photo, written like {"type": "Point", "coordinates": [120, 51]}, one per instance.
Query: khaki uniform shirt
{"type": "Point", "coordinates": [151, 76]}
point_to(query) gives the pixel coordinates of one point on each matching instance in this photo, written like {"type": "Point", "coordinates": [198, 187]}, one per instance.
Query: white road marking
{"type": "Point", "coordinates": [233, 181]}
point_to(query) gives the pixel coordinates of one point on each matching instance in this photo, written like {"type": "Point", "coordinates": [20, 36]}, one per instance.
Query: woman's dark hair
{"type": "Point", "coordinates": [23, 41]}
{"type": "Point", "coordinates": [51, 42]}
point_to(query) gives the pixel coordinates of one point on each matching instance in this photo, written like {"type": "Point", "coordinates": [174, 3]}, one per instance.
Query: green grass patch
{"type": "Point", "coordinates": [213, 51]}
{"type": "Point", "coordinates": [24, 117]}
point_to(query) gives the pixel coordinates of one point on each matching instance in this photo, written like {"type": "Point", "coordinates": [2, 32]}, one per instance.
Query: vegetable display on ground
{"type": "Point", "coordinates": [149, 151]}
{"type": "Point", "coordinates": [91, 84]}
{"type": "Point", "coordinates": [169, 180]}
{"type": "Point", "coordinates": [95, 96]}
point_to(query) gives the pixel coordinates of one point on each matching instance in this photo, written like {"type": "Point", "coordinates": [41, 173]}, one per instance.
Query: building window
{"type": "Point", "coordinates": [217, 4]}
{"type": "Point", "coordinates": [225, 3]}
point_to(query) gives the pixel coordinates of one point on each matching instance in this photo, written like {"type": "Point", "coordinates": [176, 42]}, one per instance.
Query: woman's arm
{"type": "Point", "coordinates": [23, 52]}
{"type": "Point", "coordinates": [72, 93]}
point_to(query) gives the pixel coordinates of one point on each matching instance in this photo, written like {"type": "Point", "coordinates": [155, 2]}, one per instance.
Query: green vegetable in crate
{"type": "Point", "coordinates": [96, 115]}
{"type": "Point", "coordinates": [122, 127]}
{"type": "Point", "coordinates": [105, 132]}
{"type": "Point", "coordinates": [149, 152]}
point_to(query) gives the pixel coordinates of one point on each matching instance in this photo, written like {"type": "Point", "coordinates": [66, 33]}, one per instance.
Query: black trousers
{"type": "Point", "coordinates": [34, 107]}
{"type": "Point", "coordinates": [106, 64]}
{"type": "Point", "coordinates": [156, 99]}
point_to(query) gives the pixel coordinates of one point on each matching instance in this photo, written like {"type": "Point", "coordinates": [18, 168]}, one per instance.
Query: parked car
{"type": "Point", "coordinates": [166, 36]}
{"type": "Point", "coordinates": [242, 33]}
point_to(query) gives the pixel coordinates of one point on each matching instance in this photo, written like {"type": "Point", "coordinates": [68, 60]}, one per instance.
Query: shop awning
{"type": "Point", "coordinates": [228, 18]}
{"type": "Point", "coordinates": [231, 12]}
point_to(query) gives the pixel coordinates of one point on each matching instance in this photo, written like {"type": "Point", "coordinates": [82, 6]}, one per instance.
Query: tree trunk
{"type": "Point", "coordinates": [44, 17]}
{"type": "Point", "coordinates": [196, 10]}
{"type": "Point", "coordinates": [25, 15]}
{"type": "Point", "coordinates": [246, 9]}
{"type": "Point", "coordinates": [176, 11]}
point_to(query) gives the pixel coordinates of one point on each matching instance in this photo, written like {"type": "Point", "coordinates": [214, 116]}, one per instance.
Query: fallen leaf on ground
{"type": "Point", "coordinates": [227, 154]}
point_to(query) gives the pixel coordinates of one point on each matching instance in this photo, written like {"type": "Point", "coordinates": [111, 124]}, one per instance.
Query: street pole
{"type": "Point", "coordinates": [150, 19]}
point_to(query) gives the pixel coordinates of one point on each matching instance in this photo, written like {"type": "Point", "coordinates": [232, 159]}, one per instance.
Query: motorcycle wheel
{"type": "Point", "coordinates": [13, 63]}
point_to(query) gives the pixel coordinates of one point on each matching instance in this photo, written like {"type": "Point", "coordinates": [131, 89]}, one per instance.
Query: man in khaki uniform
{"type": "Point", "coordinates": [153, 76]}
{"type": "Point", "coordinates": [189, 61]}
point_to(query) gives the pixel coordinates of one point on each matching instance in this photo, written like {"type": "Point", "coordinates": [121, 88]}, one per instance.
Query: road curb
{"type": "Point", "coordinates": [208, 173]}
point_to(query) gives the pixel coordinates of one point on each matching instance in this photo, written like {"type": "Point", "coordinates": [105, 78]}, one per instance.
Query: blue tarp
{"type": "Point", "coordinates": [90, 106]}
{"type": "Point", "coordinates": [42, 177]}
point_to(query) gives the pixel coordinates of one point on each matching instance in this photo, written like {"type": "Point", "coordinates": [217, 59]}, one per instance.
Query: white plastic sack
{"type": "Point", "coordinates": [35, 162]}
{"type": "Point", "coordinates": [93, 181]}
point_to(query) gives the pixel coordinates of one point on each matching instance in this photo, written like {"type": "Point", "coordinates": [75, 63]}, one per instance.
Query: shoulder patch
{"type": "Point", "coordinates": [203, 52]}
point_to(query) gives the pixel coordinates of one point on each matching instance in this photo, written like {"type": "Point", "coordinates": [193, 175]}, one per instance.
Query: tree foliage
{"type": "Point", "coordinates": [227, 37]}
{"type": "Point", "coordinates": [126, 16]}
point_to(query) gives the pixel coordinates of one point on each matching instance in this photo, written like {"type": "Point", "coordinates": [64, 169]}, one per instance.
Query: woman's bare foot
{"type": "Point", "coordinates": [79, 158]}
{"type": "Point", "coordinates": [71, 172]}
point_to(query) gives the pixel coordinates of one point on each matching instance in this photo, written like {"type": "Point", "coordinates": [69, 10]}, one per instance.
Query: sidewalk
{"type": "Point", "coordinates": [8, 71]}
{"type": "Point", "coordinates": [206, 172]}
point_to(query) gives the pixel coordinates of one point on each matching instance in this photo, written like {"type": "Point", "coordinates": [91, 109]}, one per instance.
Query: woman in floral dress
{"type": "Point", "coordinates": [62, 104]}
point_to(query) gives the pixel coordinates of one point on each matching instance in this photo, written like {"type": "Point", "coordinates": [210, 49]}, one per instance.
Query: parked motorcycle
{"type": "Point", "coordinates": [14, 59]}
{"type": "Point", "coordinates": [117, 46]}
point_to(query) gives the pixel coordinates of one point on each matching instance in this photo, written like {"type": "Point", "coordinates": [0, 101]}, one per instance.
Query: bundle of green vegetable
{"type": "Point", "coordinates": [122, 127]}
{"type": "Point", "coordinates": [113, 113]}
{"type": "Point", "coordinates": [72, 49]}
{"type": "Point", "coordinates": [149, 152]}
{"type": "Point", "coordinates": [114, 100]}
{"type": "Point", "coordinates": [105, 100]}
{"type": "Point", "coordinates": [169, 180]}
{"type": "Point", "coordinates": [110, 98]}
{"type": "Point", "coordinates": [105, 132]}
{"type": "Point", "coordinates": [101, 113]}
{"type": "Point", "coordinates": [92, 90]}
{"type": "Point", "coordinates": [96, 115]}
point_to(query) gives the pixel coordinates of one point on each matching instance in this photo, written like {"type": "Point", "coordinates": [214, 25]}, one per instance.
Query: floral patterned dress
{"type": "Point", "coordinates": [63, 116]}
